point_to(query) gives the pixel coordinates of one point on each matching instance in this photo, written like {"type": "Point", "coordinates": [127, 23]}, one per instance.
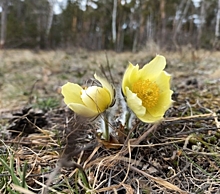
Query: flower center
{"type": "Point", "coordinates": [147, 91]}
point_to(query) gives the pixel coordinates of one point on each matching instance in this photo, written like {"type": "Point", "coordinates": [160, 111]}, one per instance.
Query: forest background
{"type": "Point", "coordinates": [120, 25]}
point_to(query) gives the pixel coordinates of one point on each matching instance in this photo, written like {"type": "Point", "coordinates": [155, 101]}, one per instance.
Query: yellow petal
{"type": "Point", "coordinates": [154, 68]}
{"type": "Point", "coordinates": [134, 103]}
{"type": "Point", "coordinates": [107, 86]}
{"type": "Point", "coordinates": [148, 118]}
{"type": "Point", "coordinates": [164, 102]}
{"type": "Point", "coordinates": [96, 98]}
{"type": "Point", "coordinates": [82, 110]}
{"type": "Point", "coordinates": [130, 76]}
{"type": "Point", "coordinates": [135, 75]}
{"type": "Point", "coordinates": [71, 93]}
{"type": "Point", "coordinates": [153, 72]}
{"type": "Point", "coordinates": [163, 81]}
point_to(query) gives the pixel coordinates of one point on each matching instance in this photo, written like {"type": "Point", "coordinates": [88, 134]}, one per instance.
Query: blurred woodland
{"type": "Point", "coordinates": [120, 25]}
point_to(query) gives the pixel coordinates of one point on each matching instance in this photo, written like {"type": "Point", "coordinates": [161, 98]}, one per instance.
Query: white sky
{"type": "Point", "coordinates": [196, 2]}
{"type": "Point", "coordinates": [62, 3]}
{"type": "Point", "coordinates": [58, 10]}
{"type": "Point", "coordinates": [57, 6]}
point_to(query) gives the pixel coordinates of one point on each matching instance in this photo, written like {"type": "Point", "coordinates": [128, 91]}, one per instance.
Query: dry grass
{"type": "Point", "coordinates": [181, 155]}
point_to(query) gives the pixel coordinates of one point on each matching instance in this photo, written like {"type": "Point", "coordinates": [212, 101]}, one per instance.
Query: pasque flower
{"type": "Point", "coordinates": [147, 90]}
{"type": "Point", "coordinates": [91, 101]}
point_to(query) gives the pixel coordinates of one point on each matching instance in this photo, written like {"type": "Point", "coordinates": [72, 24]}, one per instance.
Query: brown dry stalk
{"type": "Point", "coordinates": [211, 115]}
{"type": "Point", "coordinates": [144, 135]}
{"type": "Point", "coordinates": [21, 189]}
{"type": "Point", "coordinates": [159, 181]}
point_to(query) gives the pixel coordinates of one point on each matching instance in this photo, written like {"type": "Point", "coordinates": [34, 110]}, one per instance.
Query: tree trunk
{"type": "Point", "coordinates": [120, 35]}
{"type": "Point", "coordinates": [217, 21]}
{"type": "Point", "coordinates": [202, 20]}
{"type": "Point", "coordinates": [149, 28]}
{"type": "Point", "coordinates": [179, 19]}
{"type": "Point", "coordinates": [163, 22]}
{"type": "Point", "coordinates": [3, 22]}
{"type": "Point", "coordinates": [142, 34]}
{"type": "Point", "coordinates": [137, 30]}
{"type": "Point", "coordinates": [135, 41]}
{"type": "Point", "coordinates": [50, 20]}
{"type": "Point", "coordinates": [114, 15]}
{"type": "Point", "coordinates": [179, 9]}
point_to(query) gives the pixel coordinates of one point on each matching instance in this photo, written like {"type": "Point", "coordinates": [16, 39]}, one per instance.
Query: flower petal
{"type": "Point", "coordinates": [71, 93]}
{"type": "Point", "coordinates": [96, 98]}
{"type": "Point", "coordinates": [107, 86]}
{"type": "Point", "coordinates": [148, 118]}
{"type": "Point", "coordinates": [154, 68]}
{"type": "Point", "coordinates": [155, 74]}
{"type": "Point", "coordinates": [163, 81]}
{"type": "Point", "coordinates": [163, 104]}
{"type": "Point", "coordinates": [134, 103]}
{"type": "Point", "coordinates": [130, 76]}
{"type": "Point", "coordinates": [82, 110]}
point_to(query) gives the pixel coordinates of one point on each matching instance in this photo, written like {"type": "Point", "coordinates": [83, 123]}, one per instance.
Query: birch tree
{"type": "Point", "coordinates": [202, 21]}
{"type": "Point", "coordinates": [50, 19]}
{"type": "Point", "coordinates": [4, 5]}
{"type": "Point", "coordinates": [180, 15]}
{"type": "Point", "coordinates": [217, 21]}
{"type": "Point", "coordinates": [114, 14]}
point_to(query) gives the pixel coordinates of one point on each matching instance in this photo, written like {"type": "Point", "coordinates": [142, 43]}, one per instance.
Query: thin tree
{"type": "Point", "coordinates": [163, 20]}
{"type": "Point", "coordinates": [202, 21]}
{"type": "Point", "coordinates": [217, 21]}
{"type": "Point", "coordinates": [180, 15]}
{"type": "Point", "coordinates": [114, 16]}
{"type": "Point", "coordinates": [137, 22]}
{"type": "Point", "coordinates": [50, 19]}
{"type": "Point", "coordinates": [4, 6]}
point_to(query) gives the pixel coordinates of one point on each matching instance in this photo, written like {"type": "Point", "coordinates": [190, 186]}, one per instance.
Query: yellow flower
{"type": "Point", "coordinates": [88, 102]}
{"type": "Point", "coordinates": [147, 90]}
